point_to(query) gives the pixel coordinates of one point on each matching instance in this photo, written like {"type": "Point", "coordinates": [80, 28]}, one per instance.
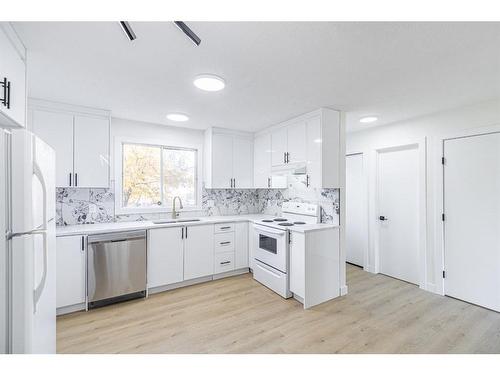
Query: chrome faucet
{"type": "Point", "coordinates": [175, 214]}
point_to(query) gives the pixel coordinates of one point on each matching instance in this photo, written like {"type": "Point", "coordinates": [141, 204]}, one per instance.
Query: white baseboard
{"type": "Point", "coordinates": [181, 284]}
{"type": "Point", "coordinates": [343, 290]}
{"type": "Point", "coordinates": [231, 273]}
{"type": "Point", "coordinates": [70, 309]}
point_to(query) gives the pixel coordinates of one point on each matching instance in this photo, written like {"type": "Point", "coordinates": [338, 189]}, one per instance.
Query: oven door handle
{"type": "Point", "coordinates": [278, 232]}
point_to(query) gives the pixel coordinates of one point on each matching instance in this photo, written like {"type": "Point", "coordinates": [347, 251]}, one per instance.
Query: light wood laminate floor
{"type": "Point", "coordinates": [238, 315]}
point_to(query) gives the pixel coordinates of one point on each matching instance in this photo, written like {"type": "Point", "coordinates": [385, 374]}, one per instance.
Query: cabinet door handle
{"type": "Point", "coordinates": [76, 179]}
{"type": "Point", "coordinates": [234, 182]}
{"type": "Point", "coordinates": [307, 180]}
{"type": "Point", "coordinates": [269, 182]}
{"type": "Point", "coordinates": [284, 157]}
{"type": "Point", "coordinates": [182, 232]}
{"type": "Point", "coordinates": [186, 232]}
{"type": "Point", "coordinates": [288, 157]}
{"type": "Point", "coordinates": [6, 93]}
{"type": "Point", "coordinates": [226, 262]}
{"type": "Point", "coordinates": [83, 244]}
{"type": "Point", "coordinates": [70, 179]}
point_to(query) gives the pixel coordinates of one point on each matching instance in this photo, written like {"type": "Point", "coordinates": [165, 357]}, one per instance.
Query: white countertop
{"type": "Point", "coordinates": [100, 228]}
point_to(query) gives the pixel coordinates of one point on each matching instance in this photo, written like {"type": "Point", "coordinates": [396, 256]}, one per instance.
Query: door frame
{"type": "Point", "coordinates": [438, 175]}
{"type": "Point", "coordinates": [366, 258]}
{"type": "Point", "coordinates": [420, 144]}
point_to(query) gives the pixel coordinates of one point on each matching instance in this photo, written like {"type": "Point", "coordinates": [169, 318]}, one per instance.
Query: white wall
{"type": "Point", "coordinates": [431, 127]}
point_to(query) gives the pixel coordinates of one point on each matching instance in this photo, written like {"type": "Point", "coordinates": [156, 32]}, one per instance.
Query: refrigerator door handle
{"type": "Point", "coordinates": [38, 173]}
{"type": "Point", "coordinates": [37, 292]}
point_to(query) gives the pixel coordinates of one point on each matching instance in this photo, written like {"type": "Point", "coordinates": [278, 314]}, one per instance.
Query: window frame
{"type": "Point", "coordinates": [166, 206]}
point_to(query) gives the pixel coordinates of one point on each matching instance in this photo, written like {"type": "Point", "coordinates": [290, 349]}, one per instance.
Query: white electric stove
{"type": "Point", "coordinates": [271, 245]}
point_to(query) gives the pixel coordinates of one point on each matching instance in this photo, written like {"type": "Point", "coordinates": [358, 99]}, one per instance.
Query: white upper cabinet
{"type": "Point", "coordinates": [296, 137]}
{"type": "Point", "coordinates": [12, 78]}
{"type": "Point", "coordinates": [222, 161]}
{"type": "Point", "coordinates": [263, 177]}
{"type": "Point", "coordinates": [80, 140]}
{"type": "Point", "coordinates": [91, 151]}
{"type": "Point", "coordinates": [262, 161]}
{"type": "Point", "coordinates": [314, 140]}
{"type": "Point", "coordinates": [228, 159]}
{"type": "Point", "coordinates": [242, 163]}
{"type": "Point", "coordinates": [279, 146]}
{"type": "Point", "coordinates": [57, 130]}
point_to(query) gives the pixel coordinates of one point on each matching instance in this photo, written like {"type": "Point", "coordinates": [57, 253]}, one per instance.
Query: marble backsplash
{"type": "Point", "coordinates": [87, 206]}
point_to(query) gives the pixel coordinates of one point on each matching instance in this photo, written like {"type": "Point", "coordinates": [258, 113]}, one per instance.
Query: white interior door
{"type": "Point", "coordinates": [398, 213]}
{"type": "Point", "coordinates": [356, 211]}
{"type": "Point", "coordinates": [472, 221]}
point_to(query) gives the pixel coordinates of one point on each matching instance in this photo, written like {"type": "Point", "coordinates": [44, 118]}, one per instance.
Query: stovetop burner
{"type": "Point", "coordinates": [299, 222]}
{"type": "Point", "coordinates": [280, 219]}
{"type": "Point", "coordinates": [267, 221]}
{"type": "Point", "coordinates": [286, 224]}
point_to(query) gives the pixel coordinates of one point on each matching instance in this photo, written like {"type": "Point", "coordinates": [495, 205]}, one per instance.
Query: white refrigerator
{"type": "Point", "coordinates": [27, 244]}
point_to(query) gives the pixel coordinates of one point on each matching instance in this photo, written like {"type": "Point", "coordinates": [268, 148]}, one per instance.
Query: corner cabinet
{"type": "Point", "coordinates": [80, 138]}
{"type": "Point", "coordinates": [228, 159]}
{"type": "Point", "coordinates": [12, 78]}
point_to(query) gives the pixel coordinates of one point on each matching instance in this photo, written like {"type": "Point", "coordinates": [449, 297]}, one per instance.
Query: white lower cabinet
{"type": "Point", "coordinates": [165, 256]}
{"type": "Point", "coordinates": [198, 251]}
{"type": "Point", "coordinates": [70, 271]}
{"type": "Point", "coordinates": [224, 262]}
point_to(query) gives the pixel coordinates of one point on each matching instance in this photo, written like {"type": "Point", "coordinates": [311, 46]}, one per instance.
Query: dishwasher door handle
{"type": "Point", "coordinates": [119, 236]}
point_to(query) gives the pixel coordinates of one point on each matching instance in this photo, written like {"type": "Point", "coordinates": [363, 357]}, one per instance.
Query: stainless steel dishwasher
{"type": "Point", "coordinates": [116, 267]}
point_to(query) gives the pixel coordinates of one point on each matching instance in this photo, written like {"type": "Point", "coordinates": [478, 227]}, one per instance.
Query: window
{"type": "Point", "coordinates": [153, 175]}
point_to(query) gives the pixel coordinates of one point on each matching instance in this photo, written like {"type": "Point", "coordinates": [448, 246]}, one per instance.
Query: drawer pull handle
{"type": "Point", "coordinates": [226, 262]}
{"type": "Point", "coordinates": [225, 243]}
{"type": "Point", "coordinates": [225, 227]}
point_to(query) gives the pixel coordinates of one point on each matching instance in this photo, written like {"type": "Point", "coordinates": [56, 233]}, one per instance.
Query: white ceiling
{"type": "Point", "coordinates": [274, 71]}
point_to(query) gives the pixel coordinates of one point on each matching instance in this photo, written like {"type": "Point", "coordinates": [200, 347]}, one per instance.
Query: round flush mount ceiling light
{"type": "Point", "coordinates": [209, 82]}
{"type": "Point", "coordinates": [178, 117]}
{"type": "Point", "coordinates": [368, 119]}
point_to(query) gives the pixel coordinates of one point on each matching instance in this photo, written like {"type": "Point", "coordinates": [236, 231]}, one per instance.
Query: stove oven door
{"type": "Point", "coordinates": [271, 247]}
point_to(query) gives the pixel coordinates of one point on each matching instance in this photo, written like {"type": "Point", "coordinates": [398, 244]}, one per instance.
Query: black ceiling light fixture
{"type": "Point", "coordinates": [127, 29]}
{"type": "Point", "coordinates": [190, 33]}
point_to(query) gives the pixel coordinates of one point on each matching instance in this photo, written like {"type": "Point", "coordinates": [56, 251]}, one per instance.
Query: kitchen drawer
{"type": "Point", "coordinates": [224, 242]}
{"type": "Point", "coordinates": [272, 278]}
{"type": "Point", "coordinates": [224, 227]}
{"type": "Point", "coordinates": [224, 262]}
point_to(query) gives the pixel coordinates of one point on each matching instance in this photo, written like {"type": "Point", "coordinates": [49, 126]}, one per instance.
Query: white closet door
{"type": "Point", "coordinates": [472, 219]}
{"type": "Point", "coordinates": [398, 199]}
{"type": "Point", "coordinates": [56, 129]}
{"type": "Point", "coordinates": [356, 211]}
{"type": "Point", "coordinates": [91, 152]}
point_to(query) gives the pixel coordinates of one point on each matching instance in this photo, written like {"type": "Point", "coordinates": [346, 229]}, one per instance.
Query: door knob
{"type": "Point", "coordinates": [382, 218]}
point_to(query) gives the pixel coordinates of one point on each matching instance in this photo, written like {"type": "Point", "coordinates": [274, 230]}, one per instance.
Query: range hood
{"type": "Point", "coordinates": [290, 169]}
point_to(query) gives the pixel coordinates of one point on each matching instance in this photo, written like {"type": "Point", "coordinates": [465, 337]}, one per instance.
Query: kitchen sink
{"type": "Point", "coordinates": [175, 221]}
